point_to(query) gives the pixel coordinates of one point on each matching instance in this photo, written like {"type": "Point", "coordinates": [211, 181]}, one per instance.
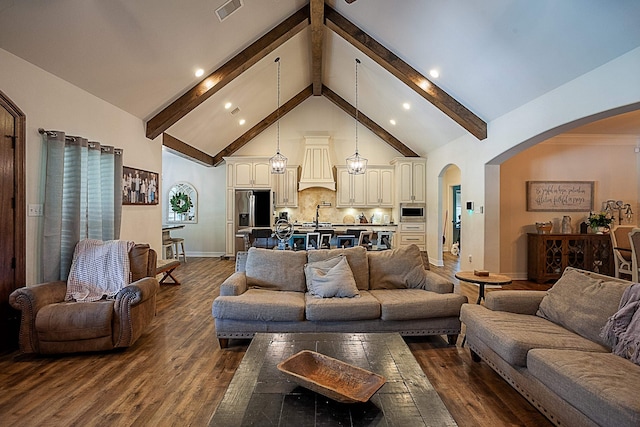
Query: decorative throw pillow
{"type": "Point", "coordinates": [324, 265]}
{"type": "Point", "coordinates": [582, 303]}
{"type": "Point", "coordinates": [337, 281]}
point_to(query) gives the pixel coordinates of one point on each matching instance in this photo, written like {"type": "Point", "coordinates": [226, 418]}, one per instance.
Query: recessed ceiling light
{"type": "Point", "coordinates": [406, 106]}
{"type": "Point", "coordinates": [199, 72]}
{"type": "Point", "coordinates": [227, 105]}
{"type": "Point", "coordinates": [242, 121]}
{"type": "Point", "coordinates": [393, 122]}
{"type": "Point", "coordinates": [434, 73]}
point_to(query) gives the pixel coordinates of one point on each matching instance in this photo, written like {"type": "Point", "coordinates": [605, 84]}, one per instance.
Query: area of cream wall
{"type": "Point", "coordinates": [51, 103]}
{"type": "Point", "coordinates": [608, 87]}
{"type": "Point", "coordinates": [206, 237]}
{"type": "Point", "coordinates": [609, 161]}
{"type": "Point", "coordinates": [318, 116]}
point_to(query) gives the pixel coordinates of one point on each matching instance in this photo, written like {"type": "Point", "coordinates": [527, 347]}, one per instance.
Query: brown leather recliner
{"type": "Point", "coordinates": [51, 325]}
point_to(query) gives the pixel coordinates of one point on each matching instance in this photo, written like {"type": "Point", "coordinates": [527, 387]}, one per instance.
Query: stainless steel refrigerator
{"type": "Point", "coordinates": [253, 209]}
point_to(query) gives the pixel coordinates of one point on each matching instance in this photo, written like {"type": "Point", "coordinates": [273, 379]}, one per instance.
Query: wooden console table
{"type": "Point", "coordinates": [549, 254]}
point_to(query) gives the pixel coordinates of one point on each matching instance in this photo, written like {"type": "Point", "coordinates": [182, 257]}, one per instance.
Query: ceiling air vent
{"type": "Point", "coordinates": [227, 9]}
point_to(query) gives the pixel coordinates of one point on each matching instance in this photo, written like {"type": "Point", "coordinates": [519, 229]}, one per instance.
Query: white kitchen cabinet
{"type": "Point", "coordinates": [286, 188]}
{"type": "Point", "coordinates": [249, 172]}
{"type": "Point", "coordinates": [411, 177]}
{"type": "Point", "coordinates": [379, 181]}
{"type": "Point", "coordinates": [350, 189]}
{"type": "Point", "coordinates": [412, 233]}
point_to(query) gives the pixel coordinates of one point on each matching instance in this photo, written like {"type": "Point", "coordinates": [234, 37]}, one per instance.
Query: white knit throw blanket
{"type": "Point", "coordinates": [98, 269]}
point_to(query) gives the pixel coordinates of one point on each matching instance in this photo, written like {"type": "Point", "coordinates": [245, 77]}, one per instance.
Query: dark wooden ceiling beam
{"type": "Point", "coordinates": [262, 125]}
{"type": "Point", "coordinates": [368, 123]}
{"type": "Point", "coordinates": [227, 72]}
{"type": "Point", "coordinates": [186, 150]}
{"type": "Point", "coordinates": [317, 40]}
{"type": "Point", "coordinates": [407, 74]}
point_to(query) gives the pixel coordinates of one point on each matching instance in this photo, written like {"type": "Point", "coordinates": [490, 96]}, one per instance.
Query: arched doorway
{"type": "Point", "coordinates": [451, 206]}
{"type": "Point", "coordinates": [12, 212]}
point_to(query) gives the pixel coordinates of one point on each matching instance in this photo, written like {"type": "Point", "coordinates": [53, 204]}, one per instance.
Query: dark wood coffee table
{"type": "Point", "coordinates": [261, 395]}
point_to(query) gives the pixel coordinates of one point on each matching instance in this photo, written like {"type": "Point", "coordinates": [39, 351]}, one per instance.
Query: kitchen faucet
{"type": "Point", "coordinates": [317, 222]}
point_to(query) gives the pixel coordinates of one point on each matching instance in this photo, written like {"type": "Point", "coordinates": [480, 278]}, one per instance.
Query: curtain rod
{"type": "Point", "coordinates": [54, 134]}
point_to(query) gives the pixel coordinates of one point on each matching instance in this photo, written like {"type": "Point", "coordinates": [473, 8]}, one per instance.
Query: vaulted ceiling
{"type": "Point", "coordinates": [493, 56]}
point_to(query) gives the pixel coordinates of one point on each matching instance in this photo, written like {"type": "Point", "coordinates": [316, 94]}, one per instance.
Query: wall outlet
{"type": "Point", "coordinates": [470, 258]}
{"type": "Point", "coordinates": [34, 210]}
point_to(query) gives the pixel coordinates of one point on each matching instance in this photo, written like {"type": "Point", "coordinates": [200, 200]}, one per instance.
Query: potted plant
{"type": "Point", "coordinates": [600, 222]}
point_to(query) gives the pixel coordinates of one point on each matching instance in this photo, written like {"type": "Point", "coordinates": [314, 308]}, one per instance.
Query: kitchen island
{"type": "Point", "coordinates": [263, 236]}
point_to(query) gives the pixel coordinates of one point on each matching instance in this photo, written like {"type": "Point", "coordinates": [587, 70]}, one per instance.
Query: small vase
{"type": "Point", "coordinates": [566, 225]}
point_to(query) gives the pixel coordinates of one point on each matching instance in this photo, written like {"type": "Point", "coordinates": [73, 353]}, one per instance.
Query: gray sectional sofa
{"type": "Point", "coordinates": [548, 346]}
{"type": "Point", "coordinates": [381, 291]}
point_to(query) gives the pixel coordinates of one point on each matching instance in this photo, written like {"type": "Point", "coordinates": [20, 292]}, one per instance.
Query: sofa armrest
{"type": "Point", "coordinates": [29, 300]}
{"type": "Point", "coordinates": [520, 302]}
{"type": "Point", "coordinates": [235, 284]}
{"type": "Point", "coordinates": [437, 283]}
{"type": "Point", "coordinates": [134, 308]}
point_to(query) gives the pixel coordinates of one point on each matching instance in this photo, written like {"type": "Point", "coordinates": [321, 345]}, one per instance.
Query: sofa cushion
{"type": "Point", "coordinates": [602, 386]}
{"type": "Point", "coordinates": [410, 304]}
{"type": "Point", "coordinates": [342, 309]}
{"type": "Point", "coordinates": [582, 303]}
{"type": "Point", "coordinates": [398, 268]}
{"type": "Point", "coordinates": [512, 335]}
{"type": "Point", "coordinates": [357, 258]}
{"type": "Point", "coordinates": [74, 321]}
{"type": "Point", "coordinates": [262, 305]}
{"type": "Point", "coordinates": [276, 270]}
{"type": "Point", "coordinates": [336, 281]}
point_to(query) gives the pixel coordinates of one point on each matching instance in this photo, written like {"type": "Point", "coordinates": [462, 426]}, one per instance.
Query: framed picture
{"type": "Point", "coordinates": [384, 239]}
{"type": "Point", "coordinates": [560, 196]}
{"type": "Point", "coordinates": [139, 187]}
{"type": "Point", "coordinates": [325, 241]}
{"type": "Point", "coordinates": [298, 242]}
{"type": "Point", "coordinates": [365, 238]}
{"type": "Point", "coordinates": [346, 241]}
{"type": "Point", "coordinates": [313, 241]}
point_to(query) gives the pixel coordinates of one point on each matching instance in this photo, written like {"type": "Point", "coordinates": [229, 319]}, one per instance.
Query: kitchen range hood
{"type": "Point", "coordinates": [317, 170]}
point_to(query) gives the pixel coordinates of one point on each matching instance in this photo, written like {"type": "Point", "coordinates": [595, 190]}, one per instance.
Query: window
{"type": "Point", "coordinates": [182, 204]}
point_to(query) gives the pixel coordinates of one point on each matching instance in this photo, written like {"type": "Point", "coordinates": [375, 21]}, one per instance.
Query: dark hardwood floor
{"type": "Point", "coordinates": [176, 374]}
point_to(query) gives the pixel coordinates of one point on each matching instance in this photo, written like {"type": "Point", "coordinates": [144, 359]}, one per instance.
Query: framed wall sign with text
{"type": "Point", "coordinates": [560, 196]}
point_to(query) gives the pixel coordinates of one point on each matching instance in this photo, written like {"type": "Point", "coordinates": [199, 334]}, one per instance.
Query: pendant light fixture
{"type": "Point", "coordinates": [356, 165]}
{"type": "Point", "coordinates": [278, 162]}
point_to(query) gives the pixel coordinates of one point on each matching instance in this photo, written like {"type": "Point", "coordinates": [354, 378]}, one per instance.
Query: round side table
{"type": "Point", "coordinates": [481, 281]}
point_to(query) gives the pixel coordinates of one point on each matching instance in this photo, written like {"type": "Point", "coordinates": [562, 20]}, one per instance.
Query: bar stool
{"type": "Point", "coordinates": [179, 241]}
{"type": "Point", "coordinates": [167, 249]}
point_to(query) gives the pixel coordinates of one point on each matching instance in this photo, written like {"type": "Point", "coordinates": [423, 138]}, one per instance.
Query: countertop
{"type": "Point", "coordinates": [298, 228]}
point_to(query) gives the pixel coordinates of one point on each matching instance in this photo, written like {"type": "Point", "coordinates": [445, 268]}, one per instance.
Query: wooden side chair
{"type": "Point", "coordinates": [634, 238]}
{"type": "Point", "coordinates": [621, 249]}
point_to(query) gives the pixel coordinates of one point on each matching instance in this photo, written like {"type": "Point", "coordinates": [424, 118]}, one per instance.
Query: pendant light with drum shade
{"type": "Point", "coordinates": [278, 162]}
{"type": "Point", "coordinates": [356, 165]}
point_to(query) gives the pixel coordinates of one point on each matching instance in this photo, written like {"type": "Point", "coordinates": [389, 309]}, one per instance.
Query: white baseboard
{"type": "Point", "coordinates": [205, 254]}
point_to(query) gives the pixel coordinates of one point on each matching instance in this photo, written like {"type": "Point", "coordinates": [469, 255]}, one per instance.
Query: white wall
{"type": "Point", "coordinates": [611, 86]}
{"type": "Point", "coordinates": [51, 103]}
{"type": "Point", "coordinates": [206, 237]}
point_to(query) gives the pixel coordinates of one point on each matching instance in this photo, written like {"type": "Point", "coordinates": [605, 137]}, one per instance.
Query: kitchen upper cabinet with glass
{"type": "Point", "coordinates": [286, 188]}
{"type": "Point", "coordinates": [410, 180]}
{"type": "Point", "coordinates": [249, 172]}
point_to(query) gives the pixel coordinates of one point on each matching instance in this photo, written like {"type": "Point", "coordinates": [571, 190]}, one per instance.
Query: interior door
{"type": "Point", "coordinates": [7, 227]}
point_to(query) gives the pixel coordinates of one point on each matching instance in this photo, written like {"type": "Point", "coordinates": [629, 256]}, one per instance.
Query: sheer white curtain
{"type": "Point", "coordinates": [82, 198]}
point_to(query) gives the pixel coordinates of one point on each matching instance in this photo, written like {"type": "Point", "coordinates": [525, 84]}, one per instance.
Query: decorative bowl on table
{"type": "Point", "coordinates": [331, 377]}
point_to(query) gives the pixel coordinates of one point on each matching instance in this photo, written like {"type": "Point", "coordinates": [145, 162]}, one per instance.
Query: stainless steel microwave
{"type": "Point", "coordinates": [413, 212]}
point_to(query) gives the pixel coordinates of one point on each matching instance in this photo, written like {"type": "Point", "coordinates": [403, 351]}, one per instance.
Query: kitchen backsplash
{"type": "Point", "coordinates": [310, 198]}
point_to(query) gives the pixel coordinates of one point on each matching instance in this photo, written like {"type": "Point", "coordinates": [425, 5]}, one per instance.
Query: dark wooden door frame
{"type": "Point", "coordinates": [19, 210]}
